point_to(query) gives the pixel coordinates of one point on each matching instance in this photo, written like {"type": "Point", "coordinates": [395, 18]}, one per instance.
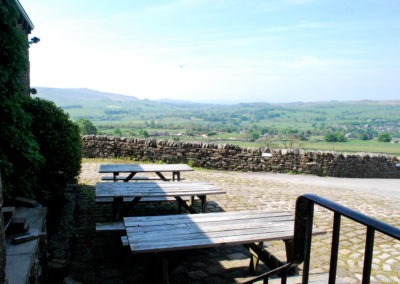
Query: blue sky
{"type": "Point", "coordinates": [220, 50]}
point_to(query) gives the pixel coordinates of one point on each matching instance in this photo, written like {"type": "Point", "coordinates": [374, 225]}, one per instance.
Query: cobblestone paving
{"type": "Point", "coordinates": [256, 191]}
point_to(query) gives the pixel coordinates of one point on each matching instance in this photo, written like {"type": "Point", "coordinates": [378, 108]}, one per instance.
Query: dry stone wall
{"type": "Point", "coordinates": [235, 158]}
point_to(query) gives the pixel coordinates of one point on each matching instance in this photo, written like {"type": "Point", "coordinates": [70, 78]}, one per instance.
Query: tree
{"type": "Point", "coordinates": [363, 136]}
{"type": "Point", "coordinates": [340, 137]}
{"type": "Point", "coordinates": [253, 135]}
{"type": "Point", "coordinates": [330, 137]}
{"type": "Point", "coordinates": [60, 146]}
{"type": "Point", "coordinates": [334, 137]}
{"type": "Point", "coordinates": [86, 127]}
{"type": "Point", "coordinates": [39, 145]}
{"type": "Point", "coordinates": [143, 133]}
{"type": "Point", "coordinates": [384, 137]}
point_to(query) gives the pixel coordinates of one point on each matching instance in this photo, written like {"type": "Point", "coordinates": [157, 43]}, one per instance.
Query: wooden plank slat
{"type": "Point", "coordinates": [221, 225]}
{"type": "Point", "coordinates": [176, 232]}
{"type": "Point", "coordinates": [195, 233]}
{"type": "Point", "coordinates": [183, 187]}
{"type": "Point", "coordinates": [155, 189]}
{"type": "Point", "coordinates": [145, 199]}
{"type": "Point", "coordinates": [125, 168]}
{"type": "Point", "coordinates": [206, 242]}
{"type": "Point", "coordinates": [120, 178]}
{"type": "Point", "coordinates": [206, 225]}
{"type": "Point", "coordinates": [124, 241]}
{"type": "Point", "coordinates": [153, 184]}
{"type": "Point", "coordinates": [115, 226]}
{"type": "Point", "coordinates": [158, 193]}
{"type": "Point", "coordinates": [218, 216]}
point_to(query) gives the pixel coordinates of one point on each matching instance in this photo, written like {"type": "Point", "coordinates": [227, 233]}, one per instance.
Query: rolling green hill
{"type": "Point", "coordinates": [307, 122]}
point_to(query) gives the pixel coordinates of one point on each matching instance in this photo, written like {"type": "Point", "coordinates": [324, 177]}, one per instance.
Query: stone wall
{"type": "Point", "coordinates": [2, 239]}
{"type": "Point", "coordinates": [235, 158]}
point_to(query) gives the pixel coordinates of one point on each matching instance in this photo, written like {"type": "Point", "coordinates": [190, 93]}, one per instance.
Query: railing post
{"type": "Point", "coordinates": [303, 234]}
{"type": "Point", "coordinates": [334, 247]}
{"type": "Point", "coordinates": [369, 247]}
{"type": "Point", "coordinates": [371, 224]}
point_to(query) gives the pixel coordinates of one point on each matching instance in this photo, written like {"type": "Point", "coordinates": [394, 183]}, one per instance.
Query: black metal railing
{"type": "Point", "coordinates": [303, 236]}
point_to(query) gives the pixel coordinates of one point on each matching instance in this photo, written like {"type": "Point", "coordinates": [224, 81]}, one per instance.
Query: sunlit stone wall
{"type": "Point", "coordinates": [235, 158]}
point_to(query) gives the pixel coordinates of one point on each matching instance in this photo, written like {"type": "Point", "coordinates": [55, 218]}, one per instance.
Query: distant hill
{"type": "Point", "coordinates": [109, 111]}
{"type": "Point", "coordinates": [65, 97]}
{"type": "Point", "coordinates": [97, 105]}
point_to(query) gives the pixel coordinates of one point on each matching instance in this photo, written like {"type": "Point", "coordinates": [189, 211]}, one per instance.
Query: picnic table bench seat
{"type": "Point", "coordinates": [145, 199]}
{"type": "Point", "coordinates": [110, 226]}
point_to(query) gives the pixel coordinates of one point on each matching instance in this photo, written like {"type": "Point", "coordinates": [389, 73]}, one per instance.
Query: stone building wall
{"type": "Point", "coordinates": [235, 158]}
{"type": "Point", "coordinates": [26, 26]}
{"type": "Point", "coordinates": [2, 239]}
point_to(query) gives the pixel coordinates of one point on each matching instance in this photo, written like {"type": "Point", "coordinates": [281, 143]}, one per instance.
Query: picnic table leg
{"type": "Point", "coordinates": [203, 203]}
{"type": "Point", "coordinates": [184, 204]}
{"type": "Point", "coordinates": [254, 259]}
{"type": "Point", "coordinates": [115, 175]}
{"type": "Point", "coordinates": [130, 176]}
{"type": "Point", "coordinates": [117, 207]}
{"type": "Point", "coordinates": [157, 271]}
{"type": "Point", "coordinates": [162, 176]}
{"type": "Point", "coordinates": [260, 253]}
{"type": "Point", "coordinates": [176, 176]}
{"type": "Point", "coordinates": [164, 259]}
{"type": "Point", "coordinates": [131, 204]}
{"type": "Point", "coordinates": [289, 246]}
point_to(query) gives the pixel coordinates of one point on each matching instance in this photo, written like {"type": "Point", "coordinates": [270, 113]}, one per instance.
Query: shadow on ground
{"type": "Point", "coordinates": [101, 258]}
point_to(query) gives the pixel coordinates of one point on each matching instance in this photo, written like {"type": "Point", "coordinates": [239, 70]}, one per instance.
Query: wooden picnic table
{"type": "Point", "coordinates": [136, 191]}
{"type": "Point", "coordinates": [171, 233]}
{"type": "Point", "coordinates": [133, 169]}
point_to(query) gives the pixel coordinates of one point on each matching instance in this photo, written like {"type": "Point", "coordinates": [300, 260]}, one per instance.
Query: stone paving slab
{"type": "Point", "coordinates": [247, 190]}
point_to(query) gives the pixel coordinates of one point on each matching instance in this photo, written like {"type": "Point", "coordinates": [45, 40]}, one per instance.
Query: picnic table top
{"type": "Point", "coordinates": [155, 189]}
{"type": "Point", "coordinates": [128, 168]}
{"type": "Point", "coordinates": [178, 232]}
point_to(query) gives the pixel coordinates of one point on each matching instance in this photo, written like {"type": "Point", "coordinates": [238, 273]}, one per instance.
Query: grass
{"type": "Point", "coordinates": [355, 146]}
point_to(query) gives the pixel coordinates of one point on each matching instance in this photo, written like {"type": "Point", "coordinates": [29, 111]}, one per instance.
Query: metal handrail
{"type": "Point", "coordinates": [303, 235]}
{"type": "Point", "coordinates": [304, 215]}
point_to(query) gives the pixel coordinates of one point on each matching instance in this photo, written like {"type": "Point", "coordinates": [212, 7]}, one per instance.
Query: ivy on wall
{"type": "Point", "coordinates": [19, 151]}
{"type": "Point", "coordinates": [24, 122]}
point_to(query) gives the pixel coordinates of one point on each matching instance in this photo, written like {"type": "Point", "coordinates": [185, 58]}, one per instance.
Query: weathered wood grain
{"type": "Point", "coordinates": [128, 168]}
{"type": "Point", "coordinates": [179, 232]}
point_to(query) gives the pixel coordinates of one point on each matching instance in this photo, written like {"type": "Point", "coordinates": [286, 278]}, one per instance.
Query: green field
{"type": "Point", "coordinates": [353, 146]}
{"type": "Point", "coordinates": [291, 125]}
